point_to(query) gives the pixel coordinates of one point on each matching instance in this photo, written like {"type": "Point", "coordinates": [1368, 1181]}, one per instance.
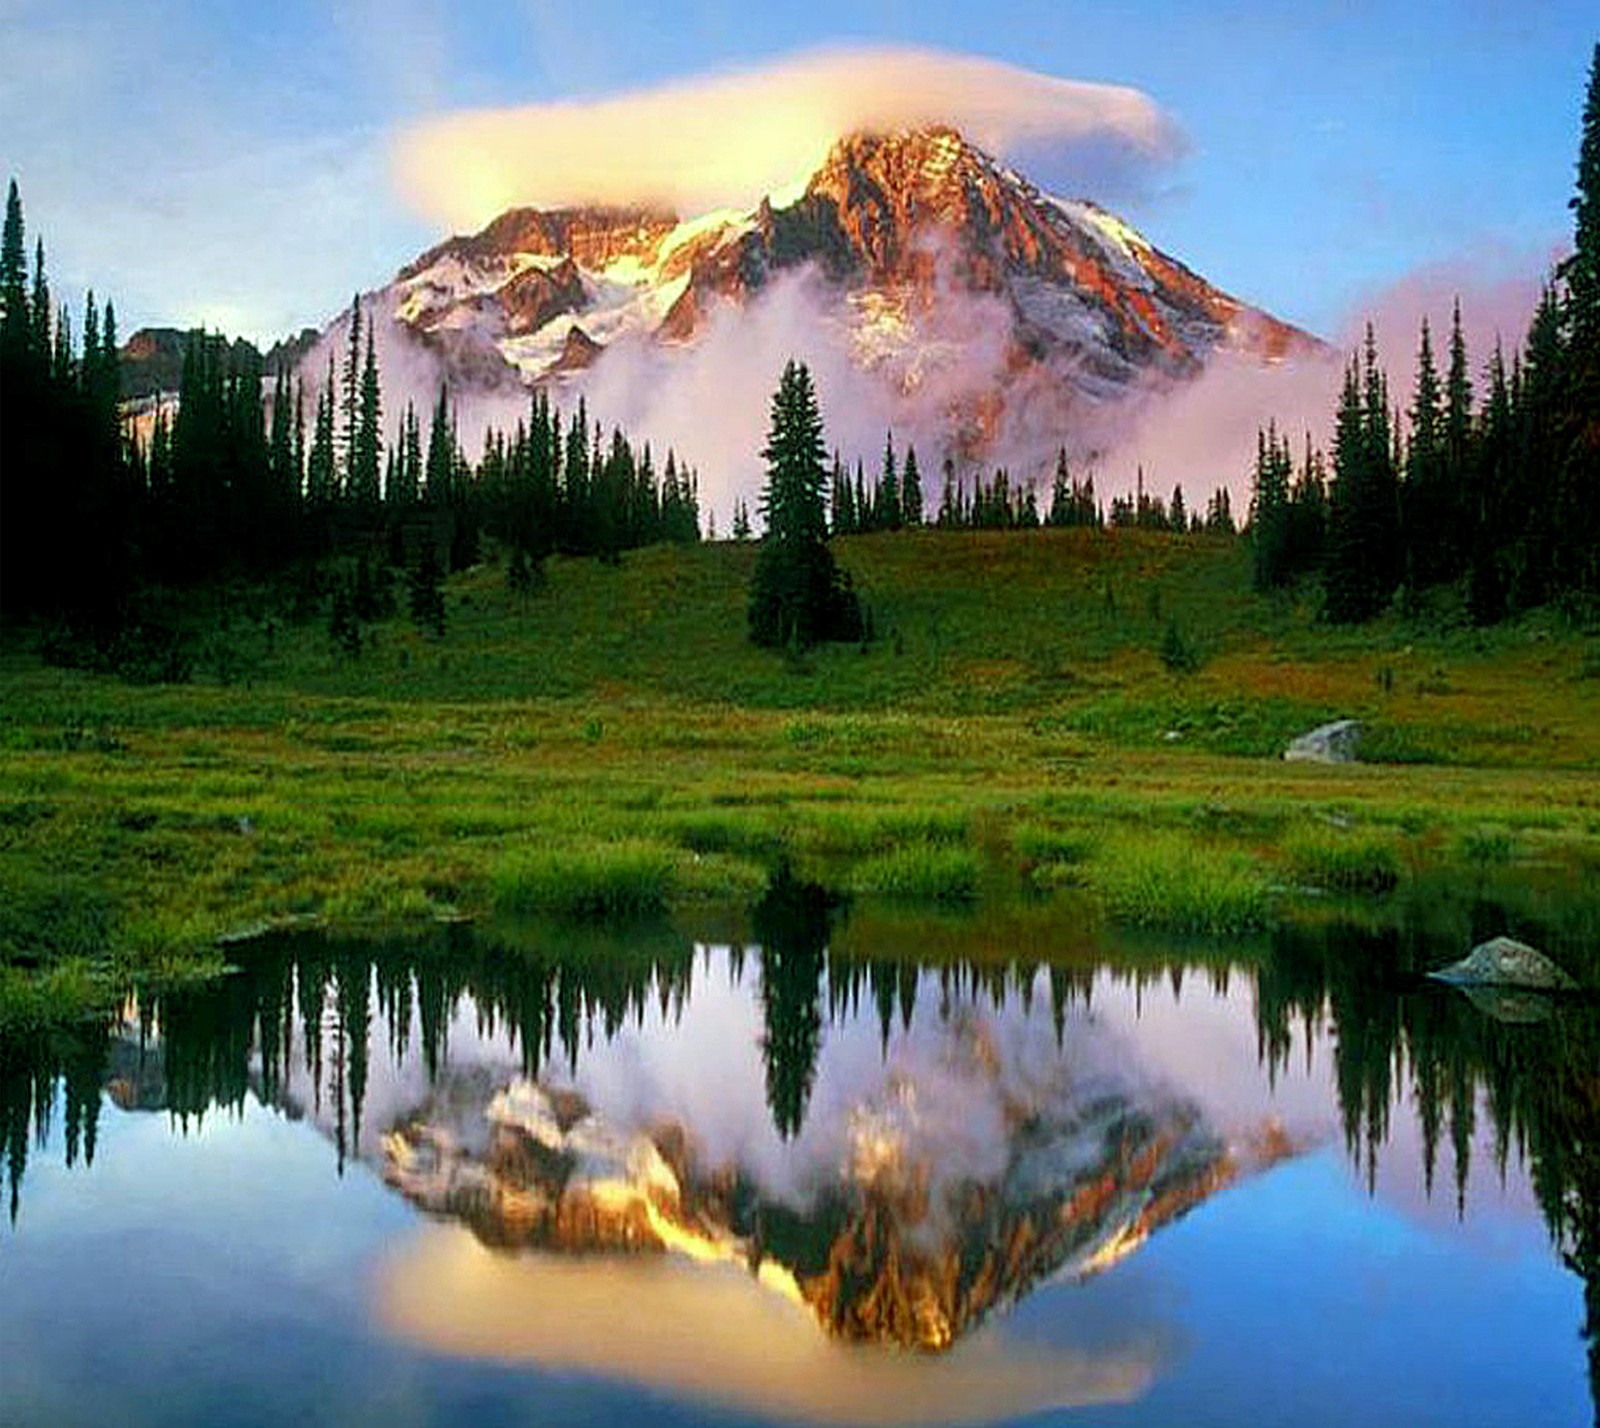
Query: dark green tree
{"type": "Point", "coordinates": [1580, 440]}
{"type": "Point", "coordinates": [1270, 519]}
{"type": "Point", "coordinates": [367, 452]}
{"type": "Point", "coordinates": [911, 490]}
{"type": "Point", "coordinates": [426, 594]}
{"type": "Point", "coordinates": [321, 476]}
{"type": "Point", "coordinates": [797, 595]}
{"type": "Point", "coordinates": [1425, 497]}
{"type": "Point", "coordinates": [13, 282]}
{"type": "Point", "coordinates": [1488, 589]}
{"type": "Point", "coordinates": [887, 514]}
{"type": "Point", "coordinates": [1582, 269]}
{"type": "Point", "coordinates": [350, 402]}
{"type": "Point", "coordinates": [1363, 559]}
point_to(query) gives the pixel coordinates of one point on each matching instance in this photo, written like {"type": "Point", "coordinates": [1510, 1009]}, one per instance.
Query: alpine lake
{"type": "Point", "coordinates": [822, 1165]}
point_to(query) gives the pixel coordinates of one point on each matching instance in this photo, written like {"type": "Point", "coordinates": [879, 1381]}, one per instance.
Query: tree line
{"type": "Point", "coordinates": [1489, 480]}
{"type": "Point", "coordinates": [894, 501]}
{"type": "Point", "coordinates": [238, 479]}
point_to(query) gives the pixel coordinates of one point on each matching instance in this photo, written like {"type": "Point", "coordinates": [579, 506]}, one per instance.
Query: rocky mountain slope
{"type": "Point", "coordinates": [930, 264]}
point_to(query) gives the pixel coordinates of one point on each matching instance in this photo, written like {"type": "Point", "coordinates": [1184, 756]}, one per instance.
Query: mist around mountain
{"type": "Point", "coordinates": [930, 289]}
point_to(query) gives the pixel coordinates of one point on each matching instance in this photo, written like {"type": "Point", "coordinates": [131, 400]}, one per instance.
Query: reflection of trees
{"type": "Point", "coordinates": [34, 1068]}
{"type": "Point", "coordinates": [194, 1050]}
{"type": "Point", "coordinates": [551, 991]}
{"type": "Point", "coordinates": [791, 924]}
{"type": "Point", "coordinates": [1533, 1064]}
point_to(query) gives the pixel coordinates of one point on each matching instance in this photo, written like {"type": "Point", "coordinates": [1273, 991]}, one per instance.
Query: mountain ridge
{"type": "Point", "coordinates": [980, 315]}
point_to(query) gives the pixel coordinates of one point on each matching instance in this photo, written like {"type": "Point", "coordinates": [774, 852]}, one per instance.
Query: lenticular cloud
{"type": "Point", "coordinates": [730, 138]}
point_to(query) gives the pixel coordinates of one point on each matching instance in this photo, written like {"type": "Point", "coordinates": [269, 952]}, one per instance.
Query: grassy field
{"type": "Point", "coordinates": [613, 744]}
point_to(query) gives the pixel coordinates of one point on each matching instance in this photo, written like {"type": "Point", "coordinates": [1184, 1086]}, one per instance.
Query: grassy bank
{"type": "Point", "coordinates": [615, 745]}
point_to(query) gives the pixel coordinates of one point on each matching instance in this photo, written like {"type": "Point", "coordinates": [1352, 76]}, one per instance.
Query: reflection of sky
{"type": "Point", "coordinates": [226, 1276]}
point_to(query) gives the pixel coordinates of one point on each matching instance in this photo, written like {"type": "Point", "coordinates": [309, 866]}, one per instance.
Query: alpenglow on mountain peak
{"type": "Point", "coordinates": [909, 241]}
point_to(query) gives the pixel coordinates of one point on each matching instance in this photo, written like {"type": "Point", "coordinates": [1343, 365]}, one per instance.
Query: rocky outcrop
{"type": "Point", "coordinates": [1505, 962]}
{"type": "Point", "coordinates": [536, 296]}
{"type": "Point", "coordinates": [578, 352]}
{"type": "Point", "coordinates": [593, 237]}
{"type": "Point", "coordinates": [1335, 743]}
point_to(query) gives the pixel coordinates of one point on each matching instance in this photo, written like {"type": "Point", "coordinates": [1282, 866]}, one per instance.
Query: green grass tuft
{"type": "Point", "coordinates": [920, 872]}
{"type": "Point", "coordinates": [1487, 845]}
{"type": "Point", "coordinates": [627, 878]}
{"type": "Point", "coordinates": [1164, 879]}
{"type": "Point", "coordinates": [1343, 861]}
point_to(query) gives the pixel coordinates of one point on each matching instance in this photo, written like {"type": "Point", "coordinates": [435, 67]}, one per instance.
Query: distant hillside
{"type": "Point", "coordinates": [152, 359]}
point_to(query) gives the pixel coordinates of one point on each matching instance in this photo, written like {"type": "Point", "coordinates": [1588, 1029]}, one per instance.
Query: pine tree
{"type": "Point", "coordinates": [911, 490]}
{"type": "Point", "coordinates": [1363, 562]}
{"type": "Point", "coordinates": [441, 453]}
{"type": "Point", "coordinates": [1538, 496]}
{"type": "Point", "coordinates": [366, 453]}
{"type": "Point", "coordinates": [841, 502]}
{"type": "Point", "coordinates": [297, 456]}
{"type": "Point", "coordinates": [1219, 513]}
{"type": "Point", "coordinates": [797, 595]}
{"type": "Point", "coordinates": [887, 514]}
{"type": "Point", "coordinates": [1579, 440]}
{"type": "Point", "coordinates": [1343, 578]}
{"type": "Point", "coordinates": [1061, 508]}
{"type": "Point", "coordinates": [280, 444]}
{"type": "Point", "coordinates": [1582, 269]}
{"type": "Point", "coordinates": [1308, 513]}
{"type": "Point", "coordinates": [321, 478]}
{"type": "Point", "coordinates": [13, 282]}
{"type": "Point", "coordinates": [1487, 591]}
{"type": "Point", "coordinates": [426, 596]}
{"type": "Point", "coordinates": [39, 318]}
{"type": "Point", "coordinates": [1269, 511]}
{"type": "Point", "coordinates": [350, 401]}
{"type": "Point", "coordinates": [408, 463]}
{"type": "Point", "coordinates": [1424, 498]}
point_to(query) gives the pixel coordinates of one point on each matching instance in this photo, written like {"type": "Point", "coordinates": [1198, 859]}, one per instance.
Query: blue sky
{"type": "Point", "coordinates": [232, 163]}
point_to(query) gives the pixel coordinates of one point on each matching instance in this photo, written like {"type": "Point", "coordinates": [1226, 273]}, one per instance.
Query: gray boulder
{"type": "Point", "coordinates": [1505, 962]}
{"type": "Point", "coordinates": [1335, 743]}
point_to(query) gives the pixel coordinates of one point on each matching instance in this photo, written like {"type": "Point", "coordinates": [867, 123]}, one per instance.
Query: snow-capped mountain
{"type": "Point", "coordinates": [945, 279]}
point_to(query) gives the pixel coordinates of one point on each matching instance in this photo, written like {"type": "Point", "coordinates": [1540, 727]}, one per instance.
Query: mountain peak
{"type": "Point", "coordinates": [923, 160]}
{"type": "Point", "coordinates": [915, 244]}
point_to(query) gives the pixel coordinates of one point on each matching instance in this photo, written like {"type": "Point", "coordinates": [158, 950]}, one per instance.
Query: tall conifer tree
{"type": "Point", "coordinates": [797, 595]}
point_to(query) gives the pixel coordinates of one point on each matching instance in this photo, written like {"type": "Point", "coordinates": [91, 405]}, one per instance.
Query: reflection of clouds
{"type": "Point", "coordinates": [950, 1089]}
{"type": "Point", "coordinates": [715, 1335]}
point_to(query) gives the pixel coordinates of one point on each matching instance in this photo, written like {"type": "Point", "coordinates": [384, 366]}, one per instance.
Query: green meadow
{"type": "Point", "coordinates": [1014, 738]}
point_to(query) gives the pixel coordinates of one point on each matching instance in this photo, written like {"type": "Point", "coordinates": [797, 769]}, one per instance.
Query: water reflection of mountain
{"type": "Point", "coordinates": [911, 1232]}
{"type": "Point", "coordinates": [306, 1020]}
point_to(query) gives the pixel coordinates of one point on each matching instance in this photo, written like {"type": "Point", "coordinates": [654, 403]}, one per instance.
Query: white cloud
{"type": "Point", "coordinates": [728, 138]}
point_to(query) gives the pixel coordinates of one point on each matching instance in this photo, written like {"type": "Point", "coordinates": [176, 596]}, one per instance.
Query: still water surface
{"type": "Point", "coordinates": [571, 1178]}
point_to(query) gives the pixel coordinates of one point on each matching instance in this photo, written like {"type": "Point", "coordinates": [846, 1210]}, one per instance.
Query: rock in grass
{"type": "Point", "coordinates": [1335, 743]}
{"type": "Point", "coordinates": [1505, 962]}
